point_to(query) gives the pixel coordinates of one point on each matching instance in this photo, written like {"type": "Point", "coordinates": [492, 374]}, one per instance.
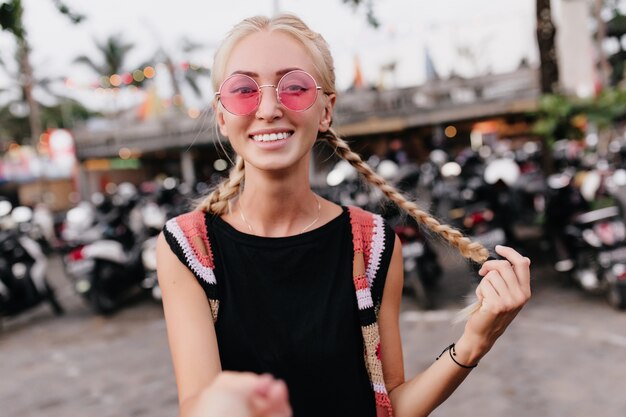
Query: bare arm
{"type": "Point", "coordinates": [503, 291]}
{"type": "Point", "coordinates": [190, 330]}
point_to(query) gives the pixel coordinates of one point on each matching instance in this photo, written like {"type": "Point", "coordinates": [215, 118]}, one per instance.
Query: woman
{"type": "Point", "coordinates": [258, 277]}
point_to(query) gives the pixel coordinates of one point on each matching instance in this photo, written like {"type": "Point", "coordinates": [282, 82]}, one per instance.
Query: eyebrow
{"type": "Point", "coordinates": [278, 73]}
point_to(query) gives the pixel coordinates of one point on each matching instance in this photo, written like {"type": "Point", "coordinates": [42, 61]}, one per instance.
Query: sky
{"type": "Point", "coordinates": [499, 35]}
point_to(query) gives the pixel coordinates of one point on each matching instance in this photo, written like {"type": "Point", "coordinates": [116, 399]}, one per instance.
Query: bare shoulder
{"type": "Point", "coordinates": [176, 279]}
{"type": "Point", "coordinates": [166, 259]}
{"type": "Point", "coordinates": [170, 270]}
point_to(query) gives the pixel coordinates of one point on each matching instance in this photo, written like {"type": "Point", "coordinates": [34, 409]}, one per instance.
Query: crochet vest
{"type": "Point", "coordinates": [188, 232]}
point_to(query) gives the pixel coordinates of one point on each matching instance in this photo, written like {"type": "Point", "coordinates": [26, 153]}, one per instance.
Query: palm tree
{"type": "Point", "coordinates": [369, 10]}
{"type": "Point", "coordinates": [190, 75]}
{"type": "Point", "coordinates": [11, 20]}
{"type": "Point", "coordinates": [14, 123]}
{"type": "Point", "coordinates": [546, 32]}
{"type": "Point", "coordinates": [16, 113]}
{"type": "Point", "coordinates": [113, 54]}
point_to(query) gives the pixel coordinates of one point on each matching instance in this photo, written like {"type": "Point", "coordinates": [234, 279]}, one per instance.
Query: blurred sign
{"type": "Point", "coordinates": [20, 164]}
{"type": "Point", "coordinates": [54, 158]}
{"type": "Point", "coordinates": [111, 164]}
{"type": "Point", "coordinates": [61, 145]}
{"type": "Point", "coordinates": [62, 153]}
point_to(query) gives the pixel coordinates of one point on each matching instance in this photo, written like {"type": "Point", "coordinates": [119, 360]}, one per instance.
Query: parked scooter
{"type": "Point", "coordinates": [421, 266]}
{"type": "Point", "coordinates": [104, 258]}
{"type": "Point", "coordinates": [485, 206]}
{"type": "Point", "coordinates": [23, 282]}
{"type": "Point", "coordinates": [591, 244]}
{"type": "Point", "coordinates": [153, 219]}
{"type": "Point", "coordinates": [422, 270]}
{"type": "Point", "coordinates": [600, 261]}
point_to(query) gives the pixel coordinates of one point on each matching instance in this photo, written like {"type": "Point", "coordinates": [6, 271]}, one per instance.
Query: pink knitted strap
{"type": "Point", "coordinates": [194, 228]}
{"type": "Point", "coordinates": [383, 406]}
{"type": "Point", "coordinates": [365, 237]}
{"type": "Point", "coordinates": [192, 240]}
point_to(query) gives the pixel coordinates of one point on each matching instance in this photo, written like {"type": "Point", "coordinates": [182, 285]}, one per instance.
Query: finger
{"type": "Point", "coordinates": [511, 294]}
{"type": "Point", "coordinates": [479, 293]}
{"type": "Point", "coordinates": [275, 403]}
{"type": "Point", "coordinates": [521, 264]}
{"type": "Point", "coordinates": [262, 385]}
{"type": "Point", "coordinates": [278, 393]}
{"type": "Point", "coordinates": [498, 283]}
{"type": "Point", "coordinates": [498, 264]}
{"type": "Point", "coordinates": [516, 293]}
{"type": "Point", "coordinates": [236, 381]}
{"type": "Point", "coordinates": [490, 296]}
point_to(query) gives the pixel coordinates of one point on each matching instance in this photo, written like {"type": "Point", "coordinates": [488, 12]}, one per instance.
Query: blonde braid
{"type": "Point", "coordinates": [471, 250]}
{"type": "Point", "coordinates": [217, 201]}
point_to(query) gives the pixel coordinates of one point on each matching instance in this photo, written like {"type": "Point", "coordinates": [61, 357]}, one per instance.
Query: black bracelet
{"type": "Point", "coordinates": [452, 353]}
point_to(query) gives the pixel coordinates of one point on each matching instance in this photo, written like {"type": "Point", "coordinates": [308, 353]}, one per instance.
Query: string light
{"type": "Point", "coordinates": [134, 78]}
{"type": "Point", "coordinates": [138, 76]}
{"type": "Point", "coordinates": [115, 80]}
{"type": "Point", "coordinates": [149, 72]}
{"type": "Point", "coordinates": [450, 131]}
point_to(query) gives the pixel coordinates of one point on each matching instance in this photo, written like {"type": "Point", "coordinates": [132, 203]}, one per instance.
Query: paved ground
{"type": "Point", "coordinates": [564, 356]}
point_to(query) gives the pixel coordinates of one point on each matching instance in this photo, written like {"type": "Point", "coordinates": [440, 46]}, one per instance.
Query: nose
{"type": "Point", "coordinates": [269, 107]}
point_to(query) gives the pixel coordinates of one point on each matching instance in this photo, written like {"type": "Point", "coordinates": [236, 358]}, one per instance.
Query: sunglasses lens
{"type": "Point", "coordinates": [239, 94]}
{"type": "Point", "coordinates": [297, 90]}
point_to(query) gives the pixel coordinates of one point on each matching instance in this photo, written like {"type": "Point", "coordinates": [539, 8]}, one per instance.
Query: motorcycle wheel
{"type": "Point", "coordinates": [616, 296]}
{"type": "Point", "coordinates": [98, 297]}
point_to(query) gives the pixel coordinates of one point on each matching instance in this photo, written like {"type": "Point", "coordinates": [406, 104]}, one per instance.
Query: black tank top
{"type": "Point", "coordinates": [288, 307]}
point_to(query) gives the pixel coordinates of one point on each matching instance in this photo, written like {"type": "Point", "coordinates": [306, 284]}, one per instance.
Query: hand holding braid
{"type": "Point", "coordinates": [471, 250]}
{"type": "Point", "coordinates": [217, 201]}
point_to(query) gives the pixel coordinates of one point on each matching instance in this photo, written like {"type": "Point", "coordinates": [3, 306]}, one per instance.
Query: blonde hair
{"type": "Point", "coordinates": [314, 43]}
{"type": "Point", "coordinates": [217, 201]}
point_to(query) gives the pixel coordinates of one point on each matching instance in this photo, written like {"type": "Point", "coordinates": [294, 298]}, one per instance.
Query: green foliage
{"type": "Point", "coordinates": [63, 115]}
{"type": "Point", "coordinates": [560, 116]}
{"type": "Point", "coordinates": [11, 17]}
{"type": "Point", "coordinates": [369, 10]}
{"type": "Point", "coordinates": [12, 128]}
{"type": "Point", "coordinates": [113, 54]}
{"type": "Point", "coordinates": [11, 13]}
{"type": "Point", "coordinates": [64, 9]}
{"type": "Point", "coordinates": [554, 118]}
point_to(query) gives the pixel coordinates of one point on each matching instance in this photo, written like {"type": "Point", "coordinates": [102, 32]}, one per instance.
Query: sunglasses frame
{"type": "Point", "coordinates": [260, 87]}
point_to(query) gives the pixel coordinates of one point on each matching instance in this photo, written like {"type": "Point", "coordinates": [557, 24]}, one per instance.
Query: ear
{"type": "Point", "coordinates": [327, 115]}
{"type": "Point", "coordinates": [219, 117]}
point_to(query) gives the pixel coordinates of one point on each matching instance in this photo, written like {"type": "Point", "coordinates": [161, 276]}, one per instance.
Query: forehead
{"type": "Point", "coordinates": [265, 53]}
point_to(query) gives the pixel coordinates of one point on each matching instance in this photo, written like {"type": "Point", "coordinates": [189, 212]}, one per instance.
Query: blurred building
{"type": "Point", "coordinates": [442, 114]}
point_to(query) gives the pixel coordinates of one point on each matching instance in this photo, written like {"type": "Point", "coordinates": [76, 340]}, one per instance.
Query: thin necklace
{"type": "Point", "coordinates": [319, 210]}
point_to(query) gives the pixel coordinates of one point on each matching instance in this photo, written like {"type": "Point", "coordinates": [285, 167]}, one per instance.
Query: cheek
{"type": "Point", "coordinates": [231, 125]}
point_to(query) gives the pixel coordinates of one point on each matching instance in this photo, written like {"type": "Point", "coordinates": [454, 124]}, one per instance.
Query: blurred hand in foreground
{"type": "Point", "coordinates": [236, 394]}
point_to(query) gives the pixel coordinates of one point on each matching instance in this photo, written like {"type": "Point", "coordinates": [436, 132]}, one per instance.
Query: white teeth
{"type": "Point", "coordinates": [271, 137]}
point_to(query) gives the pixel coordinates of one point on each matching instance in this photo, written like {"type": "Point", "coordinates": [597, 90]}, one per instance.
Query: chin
{"type": "Point", "coordinates": [277, 163]}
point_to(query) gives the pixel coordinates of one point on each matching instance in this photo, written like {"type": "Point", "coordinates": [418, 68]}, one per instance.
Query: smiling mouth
{"type": "Point", "coordinates": [271, 137]}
